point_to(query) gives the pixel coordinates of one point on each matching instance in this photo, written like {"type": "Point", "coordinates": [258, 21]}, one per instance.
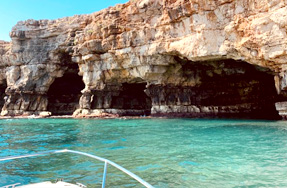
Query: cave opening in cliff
{"type": "Point", "coordinates": [3, 86]}
{"type": "Point", "coordinates": [132, 98]}
{"type": "Point", "coordinates": [65, 92]}
{"type": "Point", "coordinates": [219, 88]}
{"type": "Point", "coordinates": [127, 99]}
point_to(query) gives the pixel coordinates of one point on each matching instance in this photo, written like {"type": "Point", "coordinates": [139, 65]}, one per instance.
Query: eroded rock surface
{"type": "Point", "coordinates": [198, 58]}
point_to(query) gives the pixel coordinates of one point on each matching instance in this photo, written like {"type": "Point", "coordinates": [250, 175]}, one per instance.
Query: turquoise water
{"type": "Point", "coordinates": [164, 152]}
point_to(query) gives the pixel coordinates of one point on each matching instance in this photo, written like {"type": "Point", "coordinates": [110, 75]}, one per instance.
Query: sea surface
{"type": "Point", "coordinates": [164, 152]}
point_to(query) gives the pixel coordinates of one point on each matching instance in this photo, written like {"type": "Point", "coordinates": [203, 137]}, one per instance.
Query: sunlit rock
{"type": "Point", "coordinates": [187, 58]}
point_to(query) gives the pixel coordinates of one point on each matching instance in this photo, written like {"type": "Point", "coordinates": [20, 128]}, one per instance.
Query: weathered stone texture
{"type": "Point", "coordinates": [153, 42]}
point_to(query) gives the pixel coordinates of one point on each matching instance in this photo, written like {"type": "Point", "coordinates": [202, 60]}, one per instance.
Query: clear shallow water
{"type": "Point", "coordinates": [164, 152]}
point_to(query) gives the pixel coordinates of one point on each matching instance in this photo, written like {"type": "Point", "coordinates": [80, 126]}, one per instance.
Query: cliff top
{"type": "Point", "coordinates": [4, 42]}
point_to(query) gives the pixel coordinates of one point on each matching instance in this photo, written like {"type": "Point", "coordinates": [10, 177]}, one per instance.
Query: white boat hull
{"type": "Point", "coordinates": [50, 185]}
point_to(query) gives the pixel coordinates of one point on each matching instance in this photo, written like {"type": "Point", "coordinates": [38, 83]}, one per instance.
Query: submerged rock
{"type": "Point", "coordinates": [177, 58]}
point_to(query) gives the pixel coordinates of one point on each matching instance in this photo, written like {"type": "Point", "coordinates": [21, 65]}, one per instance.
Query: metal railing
{"type": "Point", "coordinates": [11, 186]}
{"type": "Point", "coordinates": [106, 161]}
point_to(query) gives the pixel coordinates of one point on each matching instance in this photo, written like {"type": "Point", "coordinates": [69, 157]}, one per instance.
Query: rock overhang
{"type": "Point", "coordinates": [143, 40]}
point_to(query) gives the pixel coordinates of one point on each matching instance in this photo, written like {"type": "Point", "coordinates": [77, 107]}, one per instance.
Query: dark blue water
{"type": "Point", "coordinates": [164, 152]}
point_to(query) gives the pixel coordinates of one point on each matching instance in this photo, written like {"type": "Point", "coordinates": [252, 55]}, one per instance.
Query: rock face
{"type": "Point", "coordinates": [196, 58]}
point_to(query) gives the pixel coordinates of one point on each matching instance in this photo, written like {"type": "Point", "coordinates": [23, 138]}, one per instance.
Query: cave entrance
{"type": "Point", "coordinates": [132, 99]}
{"type": "Point", "coordinates": [3, 86]}
{"type": "Point", "coordinates": [65, 92]}
{"type": "Point", "coordinates": [224, 88]}
{"type": "Point", "coordinates": [239, 89]}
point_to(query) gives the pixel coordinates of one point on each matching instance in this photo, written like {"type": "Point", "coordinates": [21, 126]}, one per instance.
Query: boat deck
{"type": "Point", "coordinates": [51, 185]}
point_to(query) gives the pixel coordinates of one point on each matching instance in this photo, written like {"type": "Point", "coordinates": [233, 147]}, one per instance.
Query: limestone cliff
{"type": "Point", "coordinates": [198, 58]}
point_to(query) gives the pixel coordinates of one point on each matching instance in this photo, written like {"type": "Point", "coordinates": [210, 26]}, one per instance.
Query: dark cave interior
{"type": "Point", "coordinates": [250, 89]}
{"type": "Point", "coordinates": [65, 92]}
{"type": "Point", "coordinates": [132, 96]}
{"type": "Point", "coordinates": [222, 83]}
{"type": "Point", "coordinates": [128, 97]}
{"type": "Point", "coordinates": [3, 87]}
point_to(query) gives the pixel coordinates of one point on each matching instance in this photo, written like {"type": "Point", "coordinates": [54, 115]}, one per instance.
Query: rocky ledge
{"type": "Point", "coordinates": [185, 58]}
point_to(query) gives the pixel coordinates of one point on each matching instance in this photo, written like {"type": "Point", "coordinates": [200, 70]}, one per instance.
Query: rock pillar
{"type": "Point", "coordinates": [281, 107]}
{"type": "Point", "coordinates": [22, 103]}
